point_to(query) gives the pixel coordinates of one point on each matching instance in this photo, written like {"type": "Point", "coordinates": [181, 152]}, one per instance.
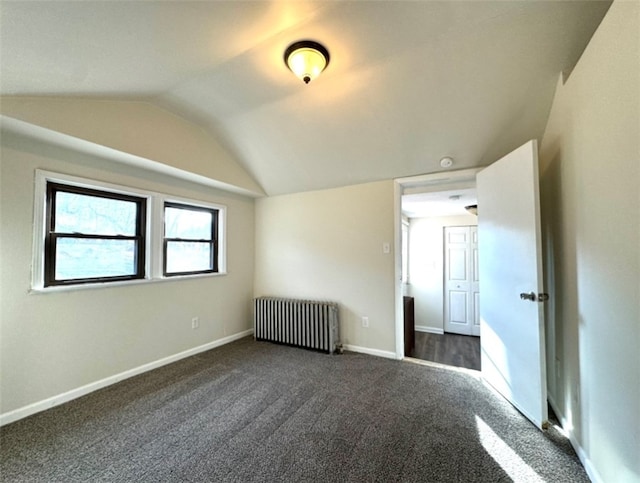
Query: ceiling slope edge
{"type": "Point", "coordinates": [132, 132]}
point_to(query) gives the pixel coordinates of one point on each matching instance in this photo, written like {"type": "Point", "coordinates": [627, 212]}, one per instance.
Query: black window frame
{"type": "Point", "coordinates": [213, 241]}
{"type": "Point", "coordinates": [51, 236]}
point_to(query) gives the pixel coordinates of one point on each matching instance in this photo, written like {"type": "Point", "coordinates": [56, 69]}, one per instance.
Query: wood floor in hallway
{"type": "Point", "coordinates": [451, 349]}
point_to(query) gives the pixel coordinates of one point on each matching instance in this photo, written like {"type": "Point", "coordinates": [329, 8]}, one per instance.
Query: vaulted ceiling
{"type": "Point", "coordinates": [408, 83]}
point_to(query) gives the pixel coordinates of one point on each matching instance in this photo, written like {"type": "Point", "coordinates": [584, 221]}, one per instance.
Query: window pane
{"type": "Point", "coordinates": [77, 213]}
{"type": "Point", "coordinates": [188, 257]}
{"type": "Point", "coordinates": [189, 224]}
{"type": "Point", "coordinates": [92, 258]}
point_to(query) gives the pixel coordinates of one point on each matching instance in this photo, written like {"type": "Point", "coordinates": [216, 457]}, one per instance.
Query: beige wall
{"type": "Point", "coordinates": [329, 245]}
{"type": "Point", "coordinates": [426, 266]}
{"type": "Point", "coordinates": [57, 342]}
{"type": "Point", "coordinates": [136, 128]}
{"type": "Point", "coordinates": [590, 174]}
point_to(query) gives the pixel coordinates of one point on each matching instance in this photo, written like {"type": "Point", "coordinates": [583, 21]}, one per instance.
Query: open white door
{"type": "Point", "coordinates": [512, 325]}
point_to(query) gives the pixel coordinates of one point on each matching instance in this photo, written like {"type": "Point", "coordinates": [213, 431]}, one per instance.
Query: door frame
{"type": "Point", "coordinates": [441, 181]}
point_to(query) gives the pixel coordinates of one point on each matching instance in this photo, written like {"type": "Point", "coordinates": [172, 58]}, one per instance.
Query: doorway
{"type": "Point", "coordinates": [438, 268]}
{"type": "Point", "coordinates": [512, 354]}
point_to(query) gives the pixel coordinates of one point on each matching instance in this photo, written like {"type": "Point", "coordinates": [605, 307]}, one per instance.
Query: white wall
{"type": "Point", "coordinates": [590, 174]}
{"type": "Point", "coordinates": [57, 342]}
{"type": "Point", "coordinates": [329, 245]}
{"type": "Point", "coordinates": [426, 267]}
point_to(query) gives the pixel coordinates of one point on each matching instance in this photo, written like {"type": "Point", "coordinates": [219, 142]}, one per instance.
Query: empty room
{"type": "Point", "coordinates": [320, 241]}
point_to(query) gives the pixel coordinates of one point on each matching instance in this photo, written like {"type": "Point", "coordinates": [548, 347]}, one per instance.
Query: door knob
{"type": "Point", "coordinates": [541, 297]}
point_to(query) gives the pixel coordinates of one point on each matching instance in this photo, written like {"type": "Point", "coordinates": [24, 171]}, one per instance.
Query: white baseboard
{"type": "Point", "coordinates": [593, 474]}
{"type": "Point", "coordinates": [371, 352]}
{"type": "Point", "coordinates": [48, 403]}
{"type": "Point", "coordinates": [431, 330]}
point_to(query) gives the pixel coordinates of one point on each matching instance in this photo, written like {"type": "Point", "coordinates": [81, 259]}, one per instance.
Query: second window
{"type": "Point", "coordinates": [190, 242]}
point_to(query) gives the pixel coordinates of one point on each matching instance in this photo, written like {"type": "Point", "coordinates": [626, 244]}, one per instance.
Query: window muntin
{"type": "Point", "coordinates": [93, 236]}
{"type": "Point", "coordinates": [190, 242]}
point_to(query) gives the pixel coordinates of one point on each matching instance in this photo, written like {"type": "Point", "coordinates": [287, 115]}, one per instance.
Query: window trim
{"type": "Point", "coordinates": [154, 231]}
{"type": "Point", "coordinates": [213, 241]}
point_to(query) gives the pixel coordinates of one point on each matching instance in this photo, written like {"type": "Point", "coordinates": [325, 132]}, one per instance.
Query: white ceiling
{"type": "Point", "coordinates": [439, 203]}
{"type": "Point", "coordinates": [409, 81]}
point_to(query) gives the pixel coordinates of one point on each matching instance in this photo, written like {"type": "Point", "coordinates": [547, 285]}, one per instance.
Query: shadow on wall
{"type": "Point", "coordinates": [560, 281]}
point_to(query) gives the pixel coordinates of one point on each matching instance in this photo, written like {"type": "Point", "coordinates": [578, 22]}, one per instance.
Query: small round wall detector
{"type": "Point", "coordinates": [446, 162]}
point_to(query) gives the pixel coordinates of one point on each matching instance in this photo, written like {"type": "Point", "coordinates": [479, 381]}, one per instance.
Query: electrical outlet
{"type": "Point", "coordinates": [365, 322]}
{"type": "Point", "coordinates": [195, 323]}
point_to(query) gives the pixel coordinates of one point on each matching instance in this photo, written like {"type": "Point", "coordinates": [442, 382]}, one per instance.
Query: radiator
{"type": "Point", "coordinates": [302, 323]}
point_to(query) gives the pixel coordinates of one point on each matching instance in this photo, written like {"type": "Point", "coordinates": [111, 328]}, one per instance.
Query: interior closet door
{"type": "Point", "coordinates": [461, 292]}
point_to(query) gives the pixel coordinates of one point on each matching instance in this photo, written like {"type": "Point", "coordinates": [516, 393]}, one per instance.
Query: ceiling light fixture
{"type": "Point", "coordinates": [306, 59]}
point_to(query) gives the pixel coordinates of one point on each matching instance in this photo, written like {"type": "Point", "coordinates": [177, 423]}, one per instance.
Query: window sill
{"type": "Point", "coordinates": [101, 285]}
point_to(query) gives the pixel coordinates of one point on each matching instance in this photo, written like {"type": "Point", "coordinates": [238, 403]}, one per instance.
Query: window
{"type": "Point", "coordinates": [190, 239]}
{"type": "Point", "coordinates": [93, 236]}
{"type": "Point", "coordinates": [89, 233]}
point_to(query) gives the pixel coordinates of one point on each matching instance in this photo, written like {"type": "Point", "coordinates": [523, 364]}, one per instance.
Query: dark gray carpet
{"type": "Point", "coordinates": [255, 411]}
